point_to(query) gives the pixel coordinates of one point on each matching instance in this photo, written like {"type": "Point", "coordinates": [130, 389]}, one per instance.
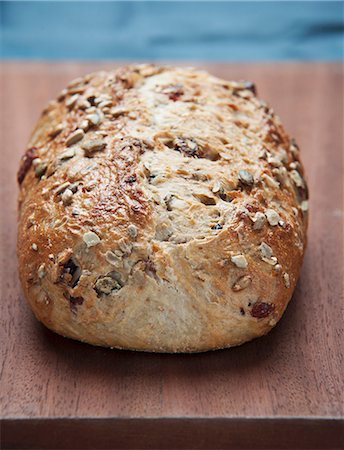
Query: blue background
{"type": "Point", "coordinates": [172, 30]}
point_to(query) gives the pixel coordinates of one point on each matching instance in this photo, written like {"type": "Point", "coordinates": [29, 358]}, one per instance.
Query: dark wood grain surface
{"type": "Point", "coordinates": [284, 390]}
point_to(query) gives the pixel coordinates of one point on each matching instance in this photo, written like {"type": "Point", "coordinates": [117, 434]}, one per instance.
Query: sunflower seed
{"type": "Point", "coordinates": [113, 259]}
{"type": "Point", "coordinates": [91, 239]}
{"type": "Point", "coordinates": [116, 112]}
{"type": "Point", "coordinates": [75, 82]}
{"type": "Point", "coordinates": [296, 177]}
{"type": "Point", "coordinates": [67, 197]}
{"type": "Point", "coordinates": [34, 247]}
{"type": "Point", "coordinates": [41, 271]}
{"type": "Point", "coordinates": [242, 283]}
{"type": "Point", "coordinates": [102, 98]}
{"type": "Point", "coordinates": [286, 280]}
{"type": "Point", "coordinates": [71, 101]}
{"type": "Point", "coordinates": [240, 261]}
{"type": "Point", "coordinates": [84, 104]}
{"type": "Point", "coordinates": [84, 125]}
{"type": "Point", "coordinates": [97, 100]}
{"type": "Point", "coordinates": [91, 110]}
{"type": "Point", "coordinates": [91, 185]}
{"type": "Point", "coordinates": [265, 250]}
{"type": "Point", "coordinates": [271, 182]}
{"type": "Point", "coordinates": [67, 154]}
{"type": "Point", "coordinates": [125, 246]}
{"type": "Point", "coordinates": [76, 90]}
{"type": "Point", "coordinates": [304, 206]}
{"type": "Point", "coordinates": [246, 177]}
{"type": "Point", "coordinates": [74, 186]}
{"type": "Point", "coordinates": [259, 221]}
{"type": "Point", "coordinates": [62, 95]}
{"type": "Point", "coordinates": [132, 230]}
{"type": "Point", "coordinates": [274, 161]}
{"type": "Point", "coordinates": [36, 162]}
{"type": "Point", "coordinates": [62, 187]}
{"type": "Point", "coordinates": [132, 115]}
{"type": "Point", "coordinates": [40, 169]}
{"type": "Point", "coordinates": [53, 133]}
{"type": "Point", "coordinates": [295, 165]}
{"type": "Point", "coordinates": [216, 187]}
{"type": "Point", "coordinates": [94, 119]}
{"type": "Point", "coordinates": [92, 146]}
{"type": "Point", "coordinates": [272, 216]}
{"type": "Point", "coordinates": [30, 221]}
{"type": "Point", "coordinates": [75, 137]}
{"type": "Point", "coordinates": [104, 104]}
{"type": "Point", "coordinates": [272, 261]}
{"type": "Point", "coordinates": [278, 267]}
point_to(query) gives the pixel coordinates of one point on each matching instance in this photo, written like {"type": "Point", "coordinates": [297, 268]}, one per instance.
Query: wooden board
{"type": "Point", "coordinates": [284, 390]}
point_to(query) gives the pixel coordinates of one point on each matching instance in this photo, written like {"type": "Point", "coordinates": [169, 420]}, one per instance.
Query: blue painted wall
{"type": "Point", "coordinates": [173, 30]}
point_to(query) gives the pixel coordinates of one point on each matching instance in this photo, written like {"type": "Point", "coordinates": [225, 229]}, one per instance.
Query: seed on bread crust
{"type": "Point", "coordinates": [40, 168]}
{"type": "Point", "coordinates": [304, 206]}
{"type": "Point", "coordinates": [75, 137]}
{"type": "Point", "coordinates": [297, 178]}
{"type": "Point", "coordinates": [216, 187]}
{"type": "Point", "coordinates": [105, 104]}
{"type": "Point", "coordinates": [72, 100]}
{"type": "Point", "coordinates": [41, 271]}
{"type": "Point", "coordinates": [67, 154]}
{"type": "Point", "coordinates": [266, 254]}
{"type": "Point", "coordinates": [272, 217]}
{"type": "Point", "coordinates": [286, 279]}
{"type": "Point", "coordinates": [272, 261]}
{"type": "Point", "coordinates": [258, 221]}
{"type": "Point", "coordinates": [84, 125]}
{"type": "Point", "coordinates": [278, 268]}
{"type": "Point", "coordinates": [240, 261]}
{"type": "Point", "coordinates": [91, 239]}
{"type": "Point", "coordinates": [265, 250]}
{"type": "Point", "coordinates": [242, 283]}
{"type": "Point", "coordinates": [106, 285]}
{"type": "Point", "coordinates": [245, 177]}
{"type": "Point", "coordinates": [132, 230]}
{"type": "Point", "coordinates": [67, 197]}
{"type": "Point", "coordinates": [113, 259]}
{"type": "Point", "coordinates": [62, 187]}
{"type": "Point", "coordinates": [56, 131]}
{"type": "Point", "coordinates": [270, 182]}
{"type": "Point", "coordinates": [92, 146]}
{"type": "Point", "coordinates": [94, 119]}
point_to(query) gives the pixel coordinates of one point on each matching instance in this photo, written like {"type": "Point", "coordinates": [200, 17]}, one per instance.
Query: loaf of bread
{"type": "Point", "coordinates": [160, 209]}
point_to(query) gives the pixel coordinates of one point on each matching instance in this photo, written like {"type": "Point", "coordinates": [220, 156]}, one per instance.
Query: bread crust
{"type": "Point", "coordinates": [160, 209]}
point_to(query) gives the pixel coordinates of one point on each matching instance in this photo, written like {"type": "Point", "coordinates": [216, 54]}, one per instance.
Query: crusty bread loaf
{"type": "Point", "coordinates": [161, 209]}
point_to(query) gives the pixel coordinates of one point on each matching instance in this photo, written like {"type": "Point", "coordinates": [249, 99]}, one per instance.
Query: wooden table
{"type": "Point", "coordinates": [281, 391]}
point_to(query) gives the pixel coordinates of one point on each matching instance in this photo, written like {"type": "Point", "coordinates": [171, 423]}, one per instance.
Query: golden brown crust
{"type": "Point", "coordinates": [161, 209]}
